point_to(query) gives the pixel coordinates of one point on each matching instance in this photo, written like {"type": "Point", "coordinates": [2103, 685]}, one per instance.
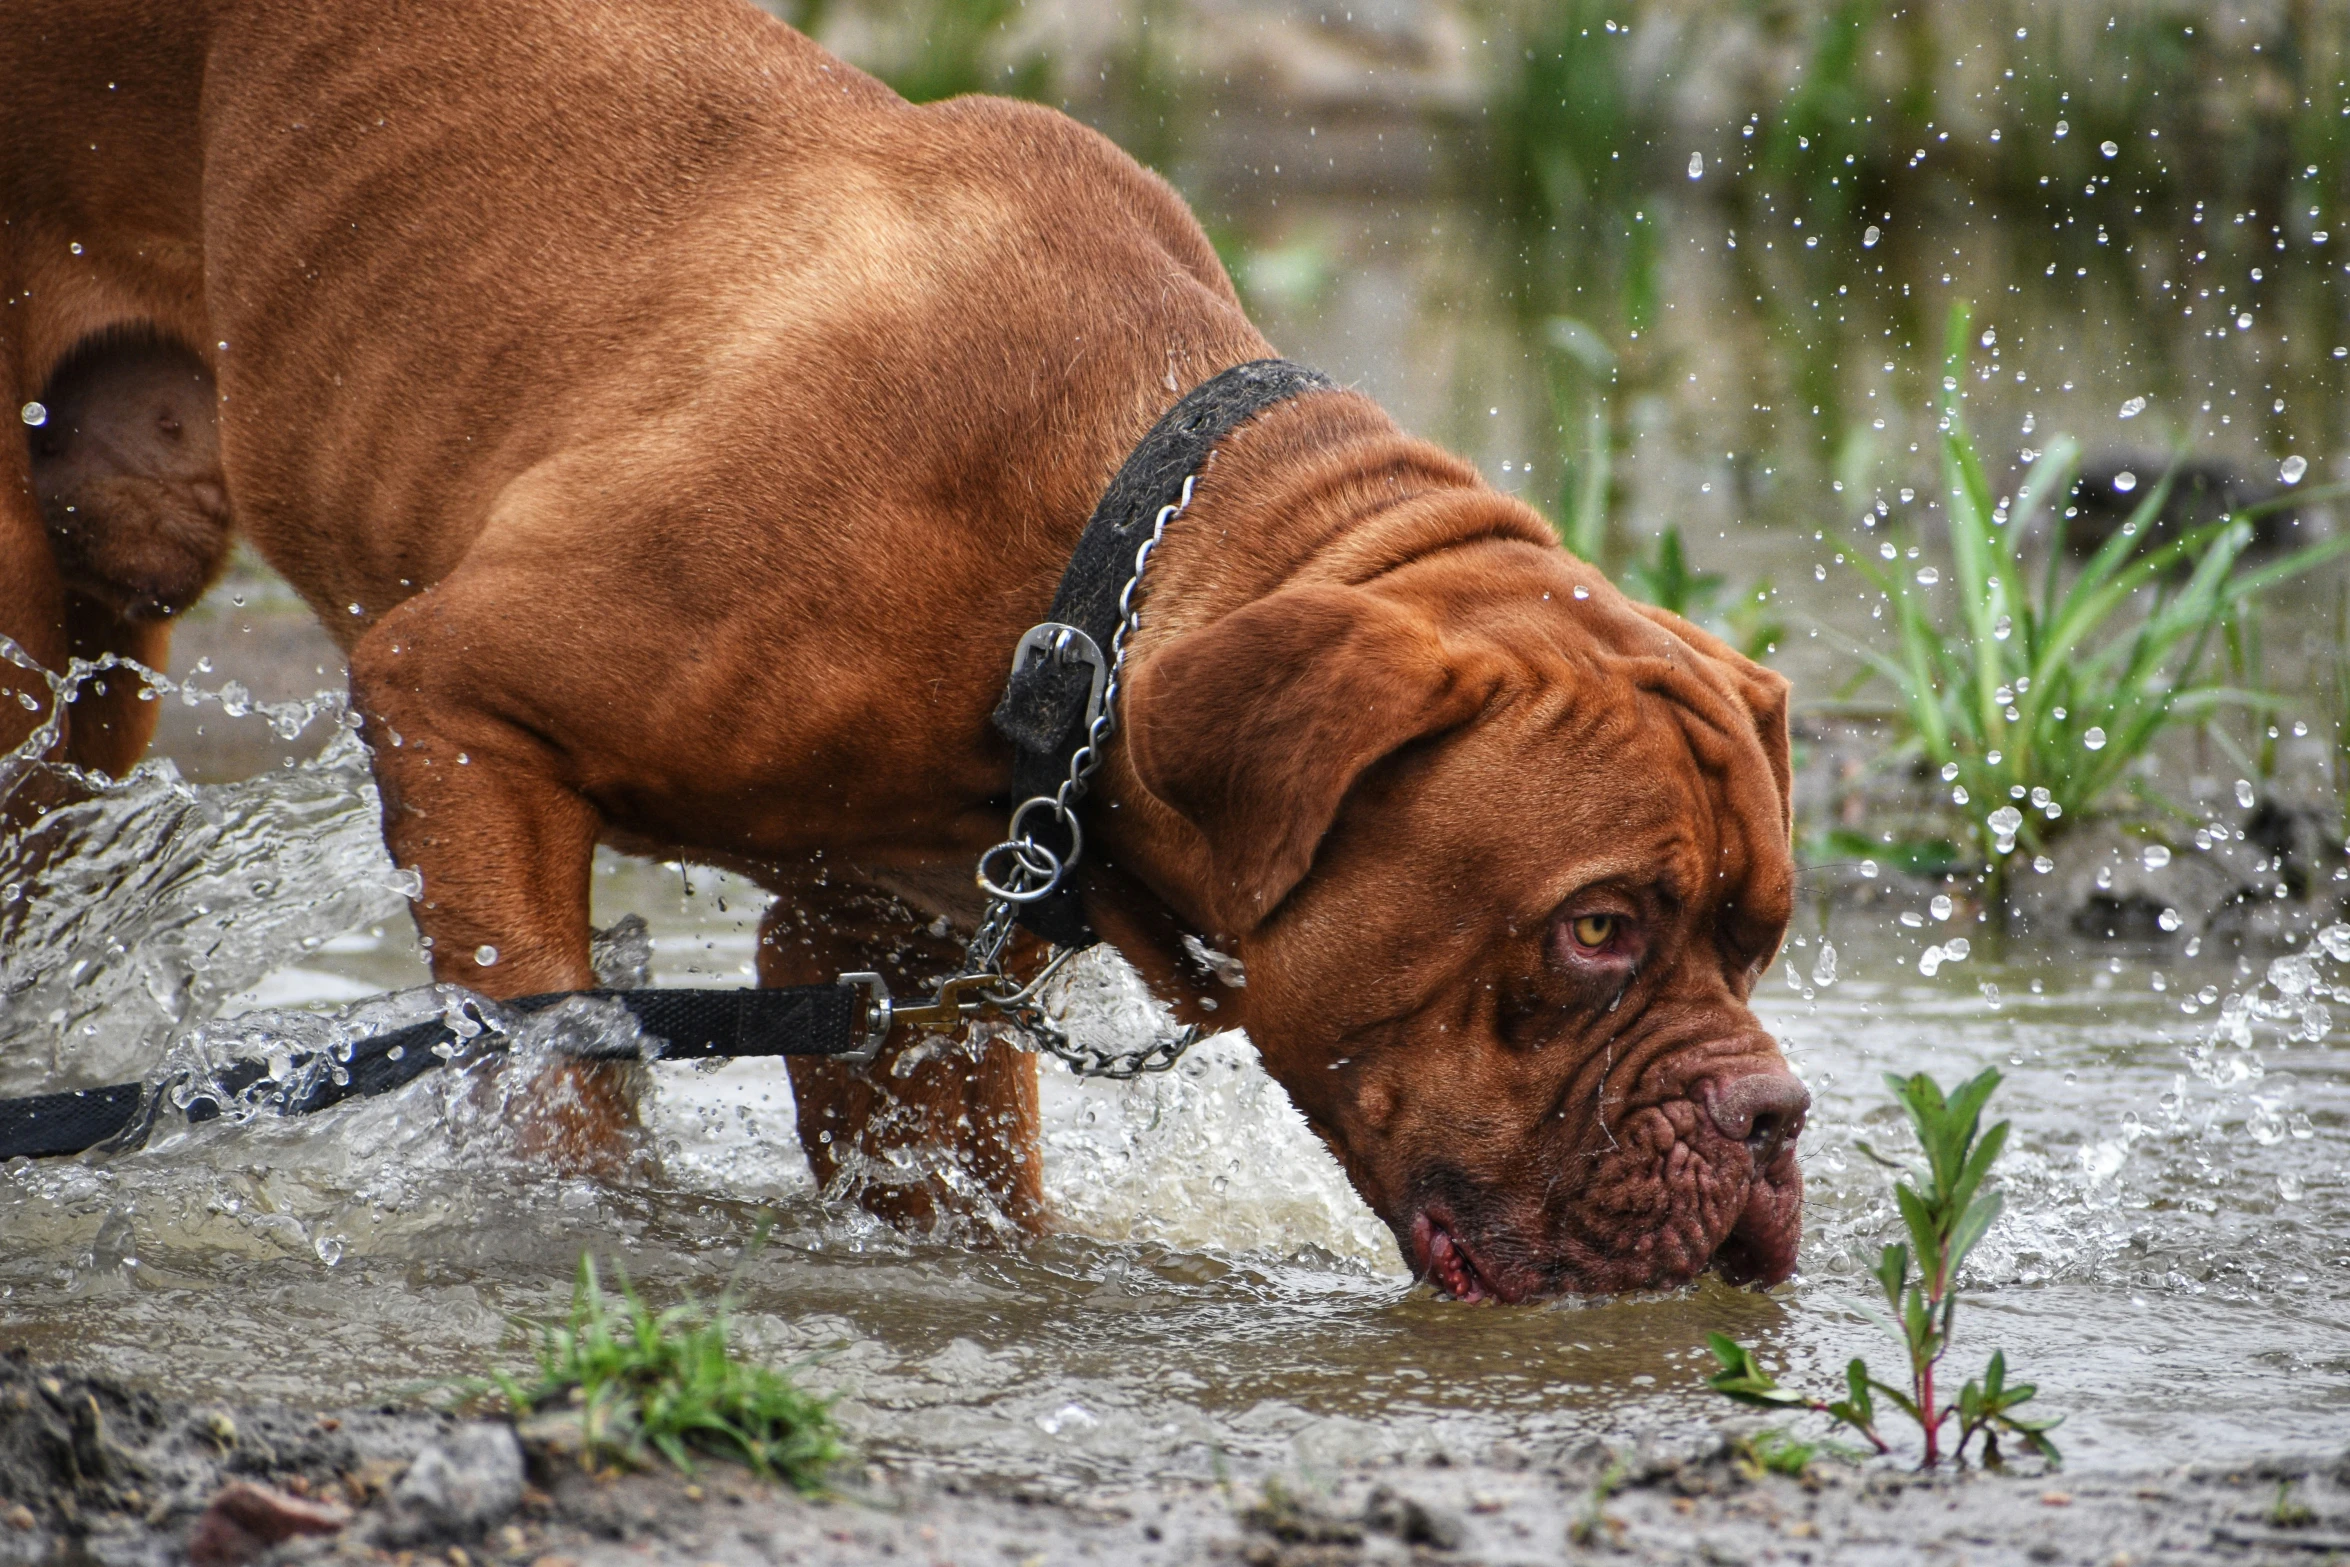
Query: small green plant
{"type": "Point", "coordinates": [667, 1383]}
{"type": "Point", "coordinates": [2034, 704]}
{"type": "Point", "coordinates": [1667, 580]}
{"type": "Point", "coordinates": [2288, 1511]}
{"type": "Point", "coordinates": [1775, 1451]}
{"type": "Point", "coordinates": [1946, 1212]}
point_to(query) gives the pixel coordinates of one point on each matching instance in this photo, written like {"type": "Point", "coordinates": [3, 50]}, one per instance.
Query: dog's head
{"type": "Point", "coordinates": [1504, 855]}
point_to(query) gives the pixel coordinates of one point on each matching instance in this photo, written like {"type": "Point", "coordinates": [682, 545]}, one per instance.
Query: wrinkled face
{"type": "Point", "coordinates": [1513, 998]}
{"type": "Point", "coordinates": [1504, 855]}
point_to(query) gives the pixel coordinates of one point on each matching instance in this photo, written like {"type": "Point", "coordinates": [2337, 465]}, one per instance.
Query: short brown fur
{"type": "Point", "coordinates": [678, 430]}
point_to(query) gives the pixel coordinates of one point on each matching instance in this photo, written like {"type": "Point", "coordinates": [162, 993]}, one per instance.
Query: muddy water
{"type": "Point", "coordinates": [2170, 1266]}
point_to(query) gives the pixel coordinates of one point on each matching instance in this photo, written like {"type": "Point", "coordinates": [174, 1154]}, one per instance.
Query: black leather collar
{"type": "Point", "coordinates": [1046, 703]}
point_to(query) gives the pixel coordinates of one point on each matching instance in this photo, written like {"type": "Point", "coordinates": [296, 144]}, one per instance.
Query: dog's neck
{"type": "Point", "coordinates": [1324, 489]}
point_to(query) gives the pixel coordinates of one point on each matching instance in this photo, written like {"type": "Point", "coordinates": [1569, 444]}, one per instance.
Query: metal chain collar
{"type": "Point", "coordinates": [1021, 869]}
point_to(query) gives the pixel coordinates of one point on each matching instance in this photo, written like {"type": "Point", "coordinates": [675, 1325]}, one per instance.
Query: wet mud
{"type": "Point", "coordinates": [94, 1472]}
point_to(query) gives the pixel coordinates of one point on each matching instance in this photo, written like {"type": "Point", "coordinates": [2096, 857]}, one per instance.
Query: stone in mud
{"type": "Point", "coordinates": [455, 1489]}
{"type": "Point", "coordinates": [246, 1519]}
{"type": "Point", "coordinates": [1412, 1521]}
{"type": "Point", "coordinates": [2108, 887]}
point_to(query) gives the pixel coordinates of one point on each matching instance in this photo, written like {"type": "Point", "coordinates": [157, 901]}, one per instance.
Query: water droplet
{"type": "Point", "coordinates": [2134, 407]}
{"type": "Point", "coordinates": [1928, 576]}
{"type": "Point", "coordinates": [2109, 149]}
{"type": "Point", "coordinates": [1989, 337]}
{"type": "Point", "coordinates": [2244, 322]}
{"type": "Point", "coordinates": [2289, 1187]}
{"type": "Point", "coordinates": [2125, 481]}
{"type": "Point", "coordinates": [2244, 794]}
{"type": "Point", "coordinates": [2293, 468]}
{"type": "Point", "coordinates": [2094, 739]}
{"type": "Point", "coordinates": [1581, 591]}
{"type": "Point", "coordinates": [2169, 919]}
{"type": "Point", "coordinates": [485, 955]}
{"type": "Point", "coordinates": [2002, 629]}
{"type": "Point", "coordinates": [1869, 237]}
{"type": "Point", "coordinates": [1940, 907]}
{"type": "Point", "coordinates": [1959, 796]}
{"type": "Point", "coordinates": [35, 415]}
{"type": "Point", "coordinates": [2063, 130]}
{"type": "Point", "coordinates": [1868, 870]}
{"type": "Point", "coordinates": [1949, 772]}
{"type": "Point", "coordinates": [2155, 857]}
{"type": "Point", "coordinates": [1823, 973]}
{"type": "Point", "coordinates": [1697, 165]}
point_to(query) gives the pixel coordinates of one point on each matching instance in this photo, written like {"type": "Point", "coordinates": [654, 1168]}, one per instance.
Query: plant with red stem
{"type": "Point", "coordinates": [1946, 1212]}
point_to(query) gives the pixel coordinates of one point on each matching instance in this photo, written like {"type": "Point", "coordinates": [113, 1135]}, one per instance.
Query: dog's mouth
{"type": "Point", "coordinates": [1672, 1209]}
{"type": "Point", "coordinates": [1442, 1260]}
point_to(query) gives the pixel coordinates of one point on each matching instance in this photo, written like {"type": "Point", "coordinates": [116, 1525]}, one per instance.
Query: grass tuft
{"type": "Point", "coordinates": [666, 1384]}
{"type": "Point", "coordinates": [2036, 697]}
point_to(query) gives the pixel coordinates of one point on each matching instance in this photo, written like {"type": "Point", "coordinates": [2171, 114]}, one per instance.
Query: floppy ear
{"type": "Point", "coordinates": [1254, 727]}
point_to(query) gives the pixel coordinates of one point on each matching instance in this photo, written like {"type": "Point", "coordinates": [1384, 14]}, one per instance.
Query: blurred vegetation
{"type": "Point", "coordinates": [2104, 135]}
{"type": "Point", "coordinates": [2035, 703]}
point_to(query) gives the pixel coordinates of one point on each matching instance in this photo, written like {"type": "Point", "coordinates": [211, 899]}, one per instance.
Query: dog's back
{"type": "Point", "coordinates": [431, 249]}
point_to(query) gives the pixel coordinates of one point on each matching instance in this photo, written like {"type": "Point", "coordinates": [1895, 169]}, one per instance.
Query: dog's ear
{"type": "Point", "coordinates": [1254, 727]}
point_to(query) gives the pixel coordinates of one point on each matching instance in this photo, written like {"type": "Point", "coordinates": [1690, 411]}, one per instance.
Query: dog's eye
{"type": "Point", "coordinates": [1596, 930]}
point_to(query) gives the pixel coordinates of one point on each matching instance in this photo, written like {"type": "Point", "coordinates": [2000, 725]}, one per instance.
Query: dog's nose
{"type": "Point", "coordinates": [1764, 1110]}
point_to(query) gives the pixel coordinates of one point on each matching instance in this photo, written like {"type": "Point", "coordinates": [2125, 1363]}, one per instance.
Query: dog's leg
{"type": "Point", "coordinates": [32, 593]}
{"type": "Point", "coordinates": [932, 1129]}
{"type": "Point", "coordinates": [110, 725]}
{"type": "Point", "coordinates": [481, 807]}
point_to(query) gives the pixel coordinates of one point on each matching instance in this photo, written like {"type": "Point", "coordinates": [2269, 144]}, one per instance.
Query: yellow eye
{"type": "Point", "coordinates": [1593, 930]}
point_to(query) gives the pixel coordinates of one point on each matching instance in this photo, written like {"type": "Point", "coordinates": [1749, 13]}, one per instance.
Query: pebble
{"type": "Point", "coordinates": [456, 1489]}
{"type": "Point", "coordinates": [245, 1519]}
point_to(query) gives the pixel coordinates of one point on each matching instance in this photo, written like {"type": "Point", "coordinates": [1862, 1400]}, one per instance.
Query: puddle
{"type": "Point", "coordinates": [2173, 1260]}
{"type": "Point", "coordinates": [2170, 1265]}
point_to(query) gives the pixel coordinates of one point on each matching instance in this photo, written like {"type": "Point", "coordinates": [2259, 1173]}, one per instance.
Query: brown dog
{"type": "Point", "coordinates": [679, 430]}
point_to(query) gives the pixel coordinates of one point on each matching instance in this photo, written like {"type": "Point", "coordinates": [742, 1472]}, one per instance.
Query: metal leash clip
{"type": "Point", "coordinates": [961, 999]}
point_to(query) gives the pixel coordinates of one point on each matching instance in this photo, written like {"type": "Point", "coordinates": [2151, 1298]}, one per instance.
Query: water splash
{"type": "Point", "coordinates": [140, 909]}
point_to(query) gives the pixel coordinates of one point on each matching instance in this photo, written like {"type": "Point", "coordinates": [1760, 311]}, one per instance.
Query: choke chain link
{"type": "Point", "coordinates": [1032, 870]}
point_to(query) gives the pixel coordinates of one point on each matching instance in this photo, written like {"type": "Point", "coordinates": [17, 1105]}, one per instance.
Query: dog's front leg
{"type": "Point", "coordinates": [482, 808]}
{"type": "Point", "coordinates": [934, 1128]}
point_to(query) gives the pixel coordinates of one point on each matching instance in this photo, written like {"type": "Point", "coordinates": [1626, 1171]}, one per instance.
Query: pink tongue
{"type": "Point", "coordinates": [1451, 1268]}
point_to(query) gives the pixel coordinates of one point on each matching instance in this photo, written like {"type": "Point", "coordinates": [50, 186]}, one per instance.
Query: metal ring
{"type": "Point", "coordinates": [1020, 851]}
{"type": "Point", "coordinates": [1068, 819]}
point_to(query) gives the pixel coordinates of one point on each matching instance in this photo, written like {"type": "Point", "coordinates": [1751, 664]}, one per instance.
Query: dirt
{"type": "Point", "coordinates": [95, 1473]}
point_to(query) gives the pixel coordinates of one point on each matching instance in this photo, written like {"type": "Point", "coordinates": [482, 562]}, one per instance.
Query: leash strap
{"type": "Point", "coordinates": [804, 1020]}
{"type": "Point", "coordinates": [1050, 700]}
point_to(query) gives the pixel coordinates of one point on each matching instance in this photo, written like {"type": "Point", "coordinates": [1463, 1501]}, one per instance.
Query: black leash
{"type": "Point", "coordinates": [1058, 709]}
{"type": "Point", "coordinates": [681, 1025]}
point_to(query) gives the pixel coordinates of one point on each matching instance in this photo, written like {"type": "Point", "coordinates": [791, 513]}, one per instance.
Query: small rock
{"type": "Point", "coordinates": [456, 1489]}
{"type": "Point", "coordinates": [20, 1517]}
{"type": "Point", "coordinates": [246, 1518]}
{"type": "Point", "coordinates": [551, 1438]}
{"type": "Point", "coordinates": [1412, 1522]}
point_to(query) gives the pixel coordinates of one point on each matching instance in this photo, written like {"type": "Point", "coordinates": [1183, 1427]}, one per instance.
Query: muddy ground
{"type": "Point", "coordinates": [95, 1473]}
